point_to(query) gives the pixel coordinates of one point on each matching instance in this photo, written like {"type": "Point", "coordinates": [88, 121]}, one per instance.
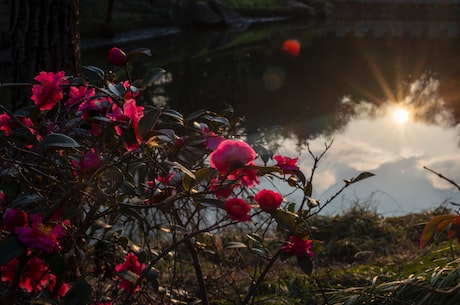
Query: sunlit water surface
{"type": "Point", "coordinates": [393, 143]}
{"type": "Point", "coordinates": [385, 92]}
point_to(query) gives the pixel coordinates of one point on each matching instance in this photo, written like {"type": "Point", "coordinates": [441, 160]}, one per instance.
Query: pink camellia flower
{"type": "Point", "coordinates": [212, 140]}
{"type": "Point", "coordinates": [246, 176]}
{"type": "Point", "coordinates": [35, 276]}
{"type": "Point", "coordinates": [237, 209]}
{"type": "Point", "coordinates": [288, 165]}
{"type": "Point", "coordinates": [46, 94]}
{"type": "Point", "coordinates": [129, 93]}
{"type": "Point", "coordinates": [231, 154]}
{"type": "Point", "coordinates": [79, 94]}
{"type": "Point", "coordinates": [117, 57]}
{"type": "Point", "coordinates": [268, 200]}
{"type": "Point", "coordinates": [131, 114]}
{"type": "Point", "coordinates": [93, 108]}
{"type": "Point", "coordinates": [298, 246]}
{"type": "Point", "coordinates": [221, 190]}
{"type": "Point", "coordinates": [132, 264]}
{"type": "Point", "coordinates": [7, 123]}
{"type": "Point", "coordinates": [2, 197]}
{"type": "Point", "coordinates": [14, 218]}
{"type": "Point", "coordinates": [89, 163]}
{"type": "Point", "coordinates": [40, 236]}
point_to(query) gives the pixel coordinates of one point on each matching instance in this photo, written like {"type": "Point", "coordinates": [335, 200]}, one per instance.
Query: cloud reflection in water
{"type": "Point", "coordinates": [371, 140]}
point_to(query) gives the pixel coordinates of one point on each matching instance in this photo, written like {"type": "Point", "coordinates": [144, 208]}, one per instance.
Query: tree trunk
{"type": "Point", "coordinates": [44, 37]}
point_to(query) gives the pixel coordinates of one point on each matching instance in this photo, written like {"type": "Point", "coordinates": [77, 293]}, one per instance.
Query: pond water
{"type": "Point", "coordinates": [386, 92]}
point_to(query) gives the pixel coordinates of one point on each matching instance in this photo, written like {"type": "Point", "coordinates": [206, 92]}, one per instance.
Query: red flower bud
{"type": "Point", "coordinates": [117, 57]}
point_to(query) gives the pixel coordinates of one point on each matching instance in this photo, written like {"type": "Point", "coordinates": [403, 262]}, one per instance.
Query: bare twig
{"type": "Point", "coordinates": [443, 177]}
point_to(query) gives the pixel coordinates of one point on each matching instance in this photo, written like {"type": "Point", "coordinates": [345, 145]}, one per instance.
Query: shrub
{"type": "Point", "coordinates": [107, 201]}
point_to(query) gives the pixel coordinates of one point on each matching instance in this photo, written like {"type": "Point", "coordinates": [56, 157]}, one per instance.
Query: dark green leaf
{"type": "Point", "coordinates": [234, 245]}
{"type": "Point", "coordinates": [255, 238]}
{"type": "Point", "coordinates": [118, 89]}
{"type": "Point", "coordinates": [361, 176]}
{"type": "Point", "coordinates": [286, 219]}
{"type": "Point", "coordinates": [94, 73]}
{"type": "Point", "coordinates": [188, 183]}
{"type": "Point", "coordinates": [174, 114]}
{"type": "Point", "coordinates": [58, 140]}
{"type": "Point", "coordinates": [222, 120]}
{"type": "Point", "coordinates": [210, 202]}
{"type": "Point", "coordinates": [56, 263]}
{"type": "Point", "coordinates": [148, 121]}
{"type": "Point", "coordinates": [79, 294]}
{"type": "Point", "coordinates": [196, 114]}
{"type": "Point", "coordinates": [24, 201]}
{"type": "Point", "coordinates": [10, 248]}
{"type": "Point", "coordinates": [264, 153]}
{"type": "Point", "coordinates": [182, 168]}
{"type": "Point", "coordinates": [305, 264]}
{"type": "Point", "coordinates": [152, 76]}
{"type": "Point", "coordinates": [260, 250]}
{"type": "Point", "coordinates": [77, 81]}
{"type": "Point", "coordinates": [138, 52]}
{"type": "Point", "coordinates": [129, 276]}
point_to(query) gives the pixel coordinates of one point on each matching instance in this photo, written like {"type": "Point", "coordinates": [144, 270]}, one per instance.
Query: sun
{"type": "Point", "coordinates": [400, 115]}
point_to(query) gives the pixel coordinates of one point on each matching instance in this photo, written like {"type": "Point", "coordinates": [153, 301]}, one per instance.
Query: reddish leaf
{"type": "Point", "coordinates": [436, 224]}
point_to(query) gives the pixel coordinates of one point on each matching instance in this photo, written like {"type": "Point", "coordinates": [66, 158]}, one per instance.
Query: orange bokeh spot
{"type": "Point", "coordinates": [292, 47]}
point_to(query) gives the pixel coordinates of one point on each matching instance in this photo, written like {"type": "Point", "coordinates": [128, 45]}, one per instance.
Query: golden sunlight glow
{"type": "Point", "coordinates": [400, 115]}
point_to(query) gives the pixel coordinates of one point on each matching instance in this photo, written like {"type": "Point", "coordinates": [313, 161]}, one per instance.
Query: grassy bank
{"type": "Point", "coordinates": [362, 258]}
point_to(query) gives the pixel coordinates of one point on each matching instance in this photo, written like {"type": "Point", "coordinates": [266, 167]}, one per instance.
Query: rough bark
{"type": "Point", "coordinates": [44, 36]}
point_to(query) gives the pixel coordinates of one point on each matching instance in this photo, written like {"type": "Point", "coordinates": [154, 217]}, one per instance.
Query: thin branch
{"type": "Point", "coordinates": [443, 177]}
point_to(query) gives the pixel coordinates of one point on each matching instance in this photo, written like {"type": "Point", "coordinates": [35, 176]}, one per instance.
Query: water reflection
{"type": "Point", "coordinates": [392, 143]}
{"type": "Point", "coordinates": [345, 86]}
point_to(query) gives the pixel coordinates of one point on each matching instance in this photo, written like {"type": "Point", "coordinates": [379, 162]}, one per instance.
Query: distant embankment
{"type": "Point", "coordinates": [398, 9]}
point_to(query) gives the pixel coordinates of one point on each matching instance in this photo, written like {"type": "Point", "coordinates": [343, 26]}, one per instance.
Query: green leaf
{"type": "Point", "coordinates": [174, 114]}
{"type": "Point", "coordinates": [361, 176]}
{"type": "Point", "coordinates": [129, 276]}
{"type": "Point", "coordinates": [436, 224]}
{"type": "Point", "coordinates": [286, 219]}
{"type": "Point", "coordinates": [210, 202]}
{"type": "Point", "coordinates": [204, 174]}
{"type": "Point", "coordinates": [234, 245]}
{"type": "Point", "coordinates": [305, 264]}
{"type": "Point", "coordinates": [148, 121]}
{"type": "Point", "coordinates": [118, 89]}
{"type": "Point", "coordinates": [151, 275]}
{"type": "Point", "coordinates": [56, 263]}
{"type": "Point", "coordinates": [152, 76]}
{"type": "Point", "coordinates": [138, 52]}
{"type": "Point", "coordinates": [196, 114]}
{"type": "Point", "coordinates": [259, 250]}
{"type": "Point", "coordinates": [188, 183]}
{"type": "Point", "coordinates": [266, 169]}
{"type": "Point", "coordinates": [22, 202]}
{"type": "Point", "coordinates": [255, 238]}
{"type": "Point", "coordinates": [94, 73]}
{"type": "Point", "coordinates": [10, 248]}
{"type": "Point", "coordinates": [264, 153]}
{"type": "Point", "coordinates": [182, 168]}
{"type": "Point", "coordinates": [58, 140]}
{"type": "Point", "coordinates": [79, 294]}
